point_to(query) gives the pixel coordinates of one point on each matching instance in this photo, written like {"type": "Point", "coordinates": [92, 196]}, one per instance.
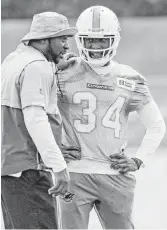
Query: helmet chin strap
{"type": "Point", "coordinates": [93, 65]}
{"type": "Point", "coordinates": [102, 64]}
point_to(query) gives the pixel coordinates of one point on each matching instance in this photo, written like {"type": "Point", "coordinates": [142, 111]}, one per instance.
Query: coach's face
{"type": "Point", "coordinates": [57, 47]}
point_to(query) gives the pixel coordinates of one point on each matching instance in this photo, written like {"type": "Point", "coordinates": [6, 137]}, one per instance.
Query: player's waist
{"type": "Point", "coordinates": [100, 154]}
{"type": "Point", "coordinates": [91, 166]}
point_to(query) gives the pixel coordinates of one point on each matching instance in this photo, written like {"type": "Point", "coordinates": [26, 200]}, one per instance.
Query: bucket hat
{"type": "Point", "coordinates": [49, 25]}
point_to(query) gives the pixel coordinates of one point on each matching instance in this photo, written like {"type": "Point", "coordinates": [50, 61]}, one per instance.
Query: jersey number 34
{"type": "Point", "coordinates": [89, 112]}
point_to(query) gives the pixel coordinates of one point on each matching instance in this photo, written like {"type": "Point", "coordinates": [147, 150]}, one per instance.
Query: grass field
{"type": "Point", "coordinates": [143, 46]}
{"type": "Point", "coordinates": [150, 197]}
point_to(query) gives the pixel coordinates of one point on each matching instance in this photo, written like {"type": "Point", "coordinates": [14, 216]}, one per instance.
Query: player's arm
{"type": "Point", "coordinates": [36, 121]}
{"type": "Point", "coordinates": [142, 102]}
{"type": "Point", "coordinates": [155, 130]}
{"type": "Point", "coordinates": [151, 117]}
{"type": "Point", "coordinates": [148, 111]}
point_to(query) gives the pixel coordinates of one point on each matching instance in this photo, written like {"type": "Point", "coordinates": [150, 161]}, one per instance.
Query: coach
{"type": "Point", "coordinates": [31, 126]}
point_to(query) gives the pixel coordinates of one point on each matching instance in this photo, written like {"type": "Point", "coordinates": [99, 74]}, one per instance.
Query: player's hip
{"type": "Point", "coordinates": [107, 188]}
{"type": "Point", "coordinates": [121, 181]}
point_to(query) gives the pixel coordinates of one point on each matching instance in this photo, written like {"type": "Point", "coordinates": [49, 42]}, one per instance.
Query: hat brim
{"type": "Point", "coordinates": [32, 35]}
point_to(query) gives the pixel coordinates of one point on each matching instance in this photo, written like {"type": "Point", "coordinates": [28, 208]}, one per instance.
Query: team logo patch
{"type": "Point", "coordinates": [102, 87]}
{"type": "Point", "coordinates": [125, 84]}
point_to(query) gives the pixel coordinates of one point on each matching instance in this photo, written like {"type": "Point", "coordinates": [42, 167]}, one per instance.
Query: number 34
{"type": "Point", "coordinates": [114, 109]}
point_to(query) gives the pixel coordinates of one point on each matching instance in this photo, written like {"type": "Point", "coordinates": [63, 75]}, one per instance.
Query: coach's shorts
{"type": "Point", "coordinates": [110, 195]}
{"type": "Point", "coordinates": [26, 203]}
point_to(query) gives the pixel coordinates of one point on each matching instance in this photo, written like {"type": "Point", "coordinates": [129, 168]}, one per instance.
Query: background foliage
{"type": "Point", "coordinates": [72, 8]}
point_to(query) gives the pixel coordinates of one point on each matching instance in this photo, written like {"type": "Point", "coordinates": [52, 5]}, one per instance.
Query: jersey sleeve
{"type": "Point", "coordinates": [140, 95]}
{"type": "Point", "coordinates": [31, 87]}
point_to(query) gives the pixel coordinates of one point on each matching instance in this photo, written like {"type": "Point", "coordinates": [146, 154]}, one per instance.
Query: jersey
{"type": "Point", "coordinates": [95, 108]}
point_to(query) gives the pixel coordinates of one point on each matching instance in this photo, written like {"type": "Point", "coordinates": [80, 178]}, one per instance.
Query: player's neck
{"type": "Point", "coordinates": [103, 70]}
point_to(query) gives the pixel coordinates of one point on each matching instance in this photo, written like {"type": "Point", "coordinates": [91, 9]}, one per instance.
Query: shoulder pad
{"type": "Point", "coordinates": [129, 73]}
{"type": "Point", "coordinates": [73, 70]}
{"type": "Point", "coordinates": [128, 78]}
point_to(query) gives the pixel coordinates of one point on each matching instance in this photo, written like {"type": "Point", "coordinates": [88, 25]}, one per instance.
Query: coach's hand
{"type": "Point", "coordinates": [61, 183]}
{"type": "Point", "coordinates": [71, 153]}
{"type": "Point", "coordinates": [66, 61]}
{"type": "Point", "coordinates": [123, 163]}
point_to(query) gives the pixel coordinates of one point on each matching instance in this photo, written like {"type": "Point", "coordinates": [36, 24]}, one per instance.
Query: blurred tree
{"type": "Point", "coordinates": [72, 8]}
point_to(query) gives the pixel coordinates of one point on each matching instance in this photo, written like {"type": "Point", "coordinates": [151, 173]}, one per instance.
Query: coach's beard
{"type": "Point", "coordinates": [51, 56]}
{"type": "Point", "coordinates": [54, 57]}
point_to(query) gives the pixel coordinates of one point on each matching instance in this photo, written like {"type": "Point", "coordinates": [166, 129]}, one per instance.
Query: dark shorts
{"type": "Point", "coordinates": [26, 203]}
{"type": "Point", "coordinates": [110, 195]}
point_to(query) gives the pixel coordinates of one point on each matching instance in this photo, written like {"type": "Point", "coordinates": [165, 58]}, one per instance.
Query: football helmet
{"type": "Point", "coordinates": [97, 22]}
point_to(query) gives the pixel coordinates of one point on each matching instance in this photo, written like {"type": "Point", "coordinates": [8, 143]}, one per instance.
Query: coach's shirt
{"type": "Point", "coordinates": [95, 110]}
{"type": "Point", "coordinates": [28, 80]}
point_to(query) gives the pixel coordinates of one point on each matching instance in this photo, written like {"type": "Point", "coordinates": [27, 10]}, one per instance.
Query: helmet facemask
{"type": "Point", "coordinates": [100, 56]}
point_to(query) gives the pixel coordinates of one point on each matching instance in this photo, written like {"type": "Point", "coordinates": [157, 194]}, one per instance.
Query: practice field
{"type": "Point", "coordinates": [150, 196]}
{"type": "Point", "coordinates": [143, 46]}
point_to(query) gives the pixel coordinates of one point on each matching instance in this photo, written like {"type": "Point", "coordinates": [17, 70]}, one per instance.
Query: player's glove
{"type": "Point", "coordinates": [71, 153]}
{"type": "Point", "coordinates": [124, 164]}
{"type": "Point", "coordinates": [67, 60]}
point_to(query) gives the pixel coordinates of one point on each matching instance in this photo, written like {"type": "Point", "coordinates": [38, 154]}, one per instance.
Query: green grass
{"type": "Point", "coordinates": [143, 46]}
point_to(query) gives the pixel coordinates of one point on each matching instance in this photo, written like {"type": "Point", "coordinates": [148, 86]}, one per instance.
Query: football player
{"type": "Point", "coordinates": [96, 96]}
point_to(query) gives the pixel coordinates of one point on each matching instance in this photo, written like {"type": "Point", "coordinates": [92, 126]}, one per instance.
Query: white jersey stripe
{"type": "Point", "coordinates": [96, 17]}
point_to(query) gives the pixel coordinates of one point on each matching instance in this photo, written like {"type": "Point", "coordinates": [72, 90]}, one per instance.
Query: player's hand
{"type": "Point", "coordinates": [61, 183]}
{"type": "Point", "coordinates": [123, 163]}
{"type": "Point", "coordinates": [67, 60]}
{"type": "Point", "coordinates": [71, 153]}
